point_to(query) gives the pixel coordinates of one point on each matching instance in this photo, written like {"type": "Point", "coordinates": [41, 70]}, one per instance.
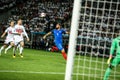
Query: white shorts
{"type": "Point", "coordinates": [8, 40]}
{"type": "Point", "coordinates": [17, 40]}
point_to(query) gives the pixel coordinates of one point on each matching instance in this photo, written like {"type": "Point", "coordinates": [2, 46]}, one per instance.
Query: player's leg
{"type": "Point", "coordinates": [14, 51]}
{"type": "Point", "coordinates": [21, 48]}
{"type": "Point", "coordinates": [11, 44]}
{"type": "Point", "coordinates": [15, 47]}
{"type": "Point", "coordinates": [64, 54]}
{"type": "Point", "coordinates": [59, 46]}
{"type": "Point", "coordinates": [5, 44]}
{"type": "Point", "coordinates": [18, 47]}
{"type": "Point", "coordinates": [107, 73]}
{"type": "Point", "coordinates": [2, 48]}
{"type": "Point", "coordinates": [114, 63]}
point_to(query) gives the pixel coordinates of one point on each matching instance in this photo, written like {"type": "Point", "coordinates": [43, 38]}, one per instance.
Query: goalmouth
{"type": "Point", "coordinates": [95, 23]}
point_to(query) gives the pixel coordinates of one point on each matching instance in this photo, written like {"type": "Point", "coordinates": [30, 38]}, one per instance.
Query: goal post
{"type": "Point", "coordinates": [91, 38]}
{"type": "Point", "coordinates": [72, 39]}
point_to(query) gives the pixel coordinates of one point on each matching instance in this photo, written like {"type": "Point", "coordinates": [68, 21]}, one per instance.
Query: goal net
{"type": "Point", "coordinates": [99, 24]}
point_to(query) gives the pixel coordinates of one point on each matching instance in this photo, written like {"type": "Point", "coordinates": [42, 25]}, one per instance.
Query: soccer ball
{"type": "Point", "coordinates": [42, 14]}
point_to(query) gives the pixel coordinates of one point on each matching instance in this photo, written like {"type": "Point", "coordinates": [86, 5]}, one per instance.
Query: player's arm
{"type": "Point", "coordinates": [3, 34]}
{"type": "Point", "coordinates": [113, 46]}
{"type": "Point", "coordinates": [15, 33]}
{"type": "Point", "coordinates": [49, 33]}
{"type": "Point", "coordinates": [66, 32]}
{"type": "Point", "coordinates": [25, 33]}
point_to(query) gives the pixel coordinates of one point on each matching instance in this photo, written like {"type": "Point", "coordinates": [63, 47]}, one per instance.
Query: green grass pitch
{"type": "Point", "coordinates": [43, 65]}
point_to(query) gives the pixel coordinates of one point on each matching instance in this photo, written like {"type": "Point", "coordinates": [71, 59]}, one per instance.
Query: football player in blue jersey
{"type": "Point", "coordinates": [58, 38]}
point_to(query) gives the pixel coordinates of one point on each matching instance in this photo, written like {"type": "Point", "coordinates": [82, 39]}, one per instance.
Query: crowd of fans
{"type": "Point", "coordinates": [99, 21]}
{"type": "Point", "coordinates": [5, 5]}
{"type": "Point", "coordinates": [31, 10]}
{"type": "Point", "coordinates": [99, 24]}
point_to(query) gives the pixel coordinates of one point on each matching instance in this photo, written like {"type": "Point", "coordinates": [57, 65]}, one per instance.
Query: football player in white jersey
{"type": "Point", "coordinates": [18, 46]}
{"type": "Point", "coordinates": [18, 38]}
{"type": "Point", "coordinates": [10, 37]}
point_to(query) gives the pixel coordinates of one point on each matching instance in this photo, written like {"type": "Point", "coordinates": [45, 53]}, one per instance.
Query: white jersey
{"type": "Point", "coordinates": [9, 31]}
{"type": "Point", "coordinates": [10, 36]}
{"type": "Point", "coordinates": [19, 29]}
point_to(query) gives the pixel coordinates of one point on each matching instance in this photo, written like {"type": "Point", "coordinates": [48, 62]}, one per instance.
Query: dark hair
{"type": "Point", "coordinates": [58, 24]}
{"type": "Point", "coordinates": [12, 21]}
{"type": "Point", "coordinates": [19, 19]}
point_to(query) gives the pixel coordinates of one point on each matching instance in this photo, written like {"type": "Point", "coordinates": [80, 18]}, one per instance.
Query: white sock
{"type": "Point", "coordinates": [8, 47]}
{"type": "Point", "coordinates": [2, 48]}
{"type": "Point", "coordinates": [21, 50]}
{"type": "Point", "coordinates": [18, 47]}
{"type": "Point", "coordinates": [14, 50]}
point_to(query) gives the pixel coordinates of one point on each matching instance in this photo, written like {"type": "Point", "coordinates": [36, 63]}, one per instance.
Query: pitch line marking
{"type": "Point", "coordinates": [32, 72]}
{"type": "Point", "coordinates": [58, 73]}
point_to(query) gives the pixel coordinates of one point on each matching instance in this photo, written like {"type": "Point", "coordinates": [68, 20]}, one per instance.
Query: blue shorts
{"type": "Point", "coordinates": [59, 46]}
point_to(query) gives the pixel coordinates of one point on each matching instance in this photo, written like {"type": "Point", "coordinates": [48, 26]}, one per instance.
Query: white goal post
{"type": "Point", "coordinates": [72, 39]}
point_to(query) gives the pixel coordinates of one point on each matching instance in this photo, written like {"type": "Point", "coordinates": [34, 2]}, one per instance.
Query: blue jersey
{"type": "Point", "coordinates": [58, 35]}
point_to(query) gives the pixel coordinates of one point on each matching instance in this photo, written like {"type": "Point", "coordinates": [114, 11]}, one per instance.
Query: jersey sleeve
{"type": "Point", "coordinates": [63, 31]}
{"type": "Point", "coordinates": [113, 46]}
{"type": "Point", "coordinates": [52, 31]}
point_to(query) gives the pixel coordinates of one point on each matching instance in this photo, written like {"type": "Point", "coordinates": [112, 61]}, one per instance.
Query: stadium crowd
{"type": "Point", "coordinates": [31, 10]}
{"type": "Point", "coordinates": [97, 25]}
{"type": "Point", "coordinates": [5, 5]}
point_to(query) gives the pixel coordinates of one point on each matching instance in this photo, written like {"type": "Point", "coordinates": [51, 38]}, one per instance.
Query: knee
{"type": "Point", "coordinates": [62, 50]}
{"type": "Point", "coordinates": [22, 44]}
{"type": "Point", "coordinates": [12, 44]}
{"type": "Point", "coordinates": [4, 46]}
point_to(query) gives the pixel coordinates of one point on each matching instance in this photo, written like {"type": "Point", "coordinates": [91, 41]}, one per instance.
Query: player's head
{"type": "Point", "coordinates": [19, 22]}
{"type": "Point", "coordinates": [12, 23]}
{"type": "Point", "coordinates": [58, 26]}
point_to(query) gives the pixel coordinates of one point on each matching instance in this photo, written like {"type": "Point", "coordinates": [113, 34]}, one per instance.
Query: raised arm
{"type": "Point", "coordinates": [49, 33]}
